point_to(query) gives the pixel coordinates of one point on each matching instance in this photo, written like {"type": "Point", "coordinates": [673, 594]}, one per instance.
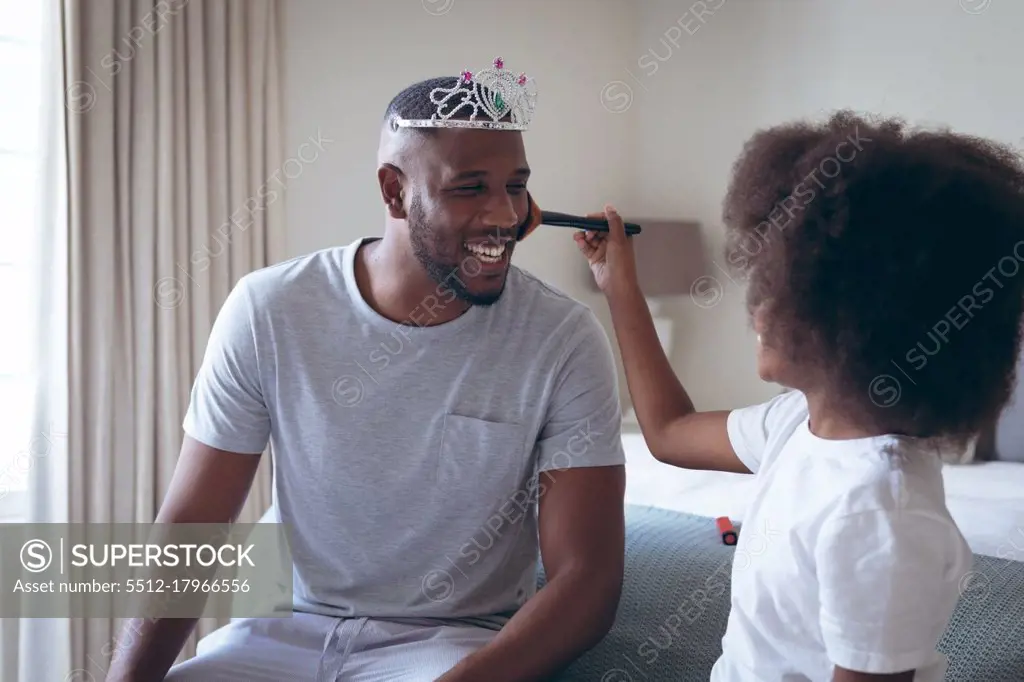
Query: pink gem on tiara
{"type": "Point", "coordinates": [499, 63]}
{"type": "Point", "coordinates": [467, 76]}
{"type": "Point", "coordinates": [522, 79]}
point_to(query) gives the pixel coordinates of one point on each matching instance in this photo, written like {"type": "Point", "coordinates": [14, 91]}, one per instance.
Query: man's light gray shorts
{"type": "Point", "coordinates": [313, 648]}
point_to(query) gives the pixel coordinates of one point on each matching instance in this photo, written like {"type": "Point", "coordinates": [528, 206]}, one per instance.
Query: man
{"type": "Point", "coordinates": [438, 418]}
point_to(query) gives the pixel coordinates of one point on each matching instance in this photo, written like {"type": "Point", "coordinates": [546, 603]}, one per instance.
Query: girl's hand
{"type": "Point", "coordinates": [610, 254]}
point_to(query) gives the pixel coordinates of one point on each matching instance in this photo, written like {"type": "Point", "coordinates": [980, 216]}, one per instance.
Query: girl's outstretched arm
{"type": "Point", "coordinates": [675, 432]}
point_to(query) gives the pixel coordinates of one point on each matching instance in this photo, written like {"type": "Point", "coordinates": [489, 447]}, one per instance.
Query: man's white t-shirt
{"type": "Point", "coordinates": [408, 460]}
{"type": "Point", "coordinates": [847, 555]}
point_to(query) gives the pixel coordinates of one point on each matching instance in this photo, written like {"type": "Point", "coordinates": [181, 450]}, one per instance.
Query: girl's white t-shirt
{"type": "Point", "coordinates": [850, 556]}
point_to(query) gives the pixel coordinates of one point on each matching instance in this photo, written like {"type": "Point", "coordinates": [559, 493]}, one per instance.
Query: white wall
{"type": "Point", "coordinates": [749, 64]}
{"type": "Point", "coordinates": [755, 63]}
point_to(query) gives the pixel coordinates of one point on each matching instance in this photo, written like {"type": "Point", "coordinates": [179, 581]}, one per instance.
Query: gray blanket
{"type": "Point", "coordinates": [675, 604]}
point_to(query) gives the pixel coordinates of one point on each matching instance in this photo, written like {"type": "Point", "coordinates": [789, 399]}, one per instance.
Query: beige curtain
{"type": "Point", "coordinates": [174, 150]}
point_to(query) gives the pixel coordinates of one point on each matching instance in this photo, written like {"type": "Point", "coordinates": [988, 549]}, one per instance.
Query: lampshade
{"type": "Point", "coordinates": [669, 256]}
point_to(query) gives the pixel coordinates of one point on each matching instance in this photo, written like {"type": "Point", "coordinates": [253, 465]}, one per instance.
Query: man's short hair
{"type": "Point", "coordinates": [414, 102]}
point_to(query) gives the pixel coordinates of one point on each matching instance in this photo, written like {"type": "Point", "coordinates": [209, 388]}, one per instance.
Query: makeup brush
{"type": "Point", "coordinates": [538, 217]}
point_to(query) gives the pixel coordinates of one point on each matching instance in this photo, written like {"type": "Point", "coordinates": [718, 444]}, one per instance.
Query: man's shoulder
{"type": "Point", "coordinates": [301, 275]}
{"type": "Point", "coordinates": [543, 304]}
{"type": "Point", "coordinates": [527, 281]}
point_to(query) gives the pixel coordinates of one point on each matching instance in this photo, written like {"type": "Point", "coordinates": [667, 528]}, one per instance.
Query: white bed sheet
{"type": "Point", "coordinates": [986, 499]}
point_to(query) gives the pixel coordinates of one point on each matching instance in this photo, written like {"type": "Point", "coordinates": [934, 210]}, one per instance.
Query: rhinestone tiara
{"type": "Point", "coordinates": [487, 96]}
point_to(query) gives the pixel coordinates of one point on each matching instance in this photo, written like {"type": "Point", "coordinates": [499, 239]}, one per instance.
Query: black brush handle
{"type": "Point", "coordinates": [582, 223]}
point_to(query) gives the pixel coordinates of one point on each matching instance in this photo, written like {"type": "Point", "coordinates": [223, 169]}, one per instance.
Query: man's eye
{"type": "Point", "coordinates": [470, 188]}
{"type": "Point", "coordinates": [517, 188]}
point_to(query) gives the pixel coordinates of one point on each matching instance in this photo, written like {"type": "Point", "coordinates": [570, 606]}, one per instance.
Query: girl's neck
{"type": "Point", "coordinates": [829, 421]}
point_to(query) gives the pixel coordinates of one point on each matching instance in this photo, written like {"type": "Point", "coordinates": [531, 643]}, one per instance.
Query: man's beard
{"type": "Point", "coordinates": [428, 245]}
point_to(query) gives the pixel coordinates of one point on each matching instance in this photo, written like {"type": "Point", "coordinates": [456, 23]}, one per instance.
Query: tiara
{"type": "Point", "coordinates": [490, 95]}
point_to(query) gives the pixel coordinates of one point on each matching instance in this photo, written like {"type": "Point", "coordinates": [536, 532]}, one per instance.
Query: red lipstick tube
{"type": "Point", "coordinates": [727, 531]}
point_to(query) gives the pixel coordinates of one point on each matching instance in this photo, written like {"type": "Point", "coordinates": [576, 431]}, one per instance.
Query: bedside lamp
{"type": "Point", "coordinates": [669, 259]}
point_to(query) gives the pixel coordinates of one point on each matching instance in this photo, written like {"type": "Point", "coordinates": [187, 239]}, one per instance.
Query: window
{"type": "Point", "coordinates": [20, 99]}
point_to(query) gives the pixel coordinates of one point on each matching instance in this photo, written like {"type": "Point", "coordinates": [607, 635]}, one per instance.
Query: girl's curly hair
{"type": "Point", "coordinates": [888, 264]}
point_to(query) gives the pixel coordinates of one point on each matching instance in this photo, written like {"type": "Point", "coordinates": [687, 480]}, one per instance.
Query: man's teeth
{"type": "Point", "coordinates": [486, 252]}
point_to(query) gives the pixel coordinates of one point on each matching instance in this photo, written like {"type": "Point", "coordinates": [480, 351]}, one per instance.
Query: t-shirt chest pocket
{"type": "Point", "coordinates": [481, 464]}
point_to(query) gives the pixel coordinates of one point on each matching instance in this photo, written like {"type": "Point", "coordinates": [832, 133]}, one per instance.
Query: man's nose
{"type": "Point", "coordinates": [501, 212]}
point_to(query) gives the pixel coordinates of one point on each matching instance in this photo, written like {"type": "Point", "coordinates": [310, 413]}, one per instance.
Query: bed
{"type": "Point", "coordinates": [675, 601]}
{"type": "Point", "coordinates": [986, 498]}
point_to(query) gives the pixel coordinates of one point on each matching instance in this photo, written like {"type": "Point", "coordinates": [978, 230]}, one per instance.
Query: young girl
{"type": "Point", "coordinates": [884, 289]}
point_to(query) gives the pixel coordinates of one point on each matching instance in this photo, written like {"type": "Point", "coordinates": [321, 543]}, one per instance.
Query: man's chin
{"type": "Point", "coordinates": [484, 298]}
{"type": "Point", "coordinates": [485, 295]}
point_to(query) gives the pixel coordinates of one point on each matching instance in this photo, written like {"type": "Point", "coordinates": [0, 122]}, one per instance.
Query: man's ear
{"type": "Point", "coordinates": [392, 190]}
